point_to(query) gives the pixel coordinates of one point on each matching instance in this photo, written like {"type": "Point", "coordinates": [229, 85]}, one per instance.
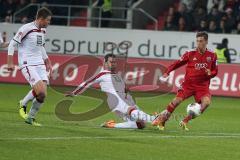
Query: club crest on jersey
{"type": "Point", "coordinates": [194, 59]}
{"type": "Point", "coordinates": [208, 59]}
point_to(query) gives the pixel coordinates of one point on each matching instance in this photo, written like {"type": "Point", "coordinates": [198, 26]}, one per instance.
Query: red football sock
{"type": "Point", "coordinates": [187, 118]}
{"type": "Point", "coordinates": [171, 107]}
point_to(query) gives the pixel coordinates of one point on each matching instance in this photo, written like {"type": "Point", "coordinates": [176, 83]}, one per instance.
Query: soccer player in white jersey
{"type": "Point", "coordinates": [2, 43]}
{"type": "Point", "coordinates": [119, 101]}
{"type": "Point", "coordinates": [33, 62]}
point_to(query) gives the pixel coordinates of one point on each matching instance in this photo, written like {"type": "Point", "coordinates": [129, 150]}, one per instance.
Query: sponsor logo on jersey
{"type": "Point", "coordinates": [199, 66]}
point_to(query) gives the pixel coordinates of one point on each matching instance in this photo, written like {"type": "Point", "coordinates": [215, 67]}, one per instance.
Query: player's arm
{"type": "Point", "coordinates": [84, 85]}
{"type": "Point", "coordinates": [4, 45]}
{"type": "Point", "coordinates": [227, 55]}
{"type": "Point", "coordinates": [11, 49]}
{"type": "Point", "coordinates": [17, 39]}
{"type": "Point", "coordinates": [46, 59]}
{"type": "Point", "coordinates": [182, 61]}
{"type": "Point", "coordinates": [214, 69]}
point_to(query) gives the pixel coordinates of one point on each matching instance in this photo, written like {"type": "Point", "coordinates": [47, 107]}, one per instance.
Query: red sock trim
{"type": "Point", "coordinates": [34, 93]}
{"type": "Point", "coordinates": [171, 107]}
{"type": "Point", "coordinates": [130, 111]}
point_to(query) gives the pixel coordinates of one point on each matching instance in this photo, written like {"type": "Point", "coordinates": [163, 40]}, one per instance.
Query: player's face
{"type": "Point", "coordinates": [111, 64]}
{"type": "Point", "coordinates": [201, 43]}
{"type": "Point", "coordinates": [44, 22]}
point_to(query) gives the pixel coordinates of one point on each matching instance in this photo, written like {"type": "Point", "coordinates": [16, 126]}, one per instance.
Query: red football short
{"type": "Point", "coordinates": [197, 91]}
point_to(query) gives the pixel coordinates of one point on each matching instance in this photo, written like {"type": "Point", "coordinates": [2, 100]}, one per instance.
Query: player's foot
{"type": "Point", "coordinates": [161, 126]}
{"type": "Point", "coordinates": [33, 122]}
{"type": "Point", "coordinates": [183, 125]}
{"type": "Point", "coordinates": [160, 120]}
{"type": "Point", "coordinates": [22, 110]}
{"type": "Point", "coordinates": [108, 124]}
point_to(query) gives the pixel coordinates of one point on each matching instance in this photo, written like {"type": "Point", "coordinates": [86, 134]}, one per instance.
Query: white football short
{"type": "Point", "coordinates": [120, 103]}
{"type": "Point", "coordinates": [33, 74]}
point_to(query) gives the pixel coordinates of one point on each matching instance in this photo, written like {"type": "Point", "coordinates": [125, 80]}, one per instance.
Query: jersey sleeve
{"type": "Point", "coordinates": [1, 39]}
{"type": "Point", "coordinates": [84, 85]}
{"type": "Point", "coordinates": [21, 33]}
{"type": "Point", "coordinates": [214, 67]}
{"type": "Point", "coordinates": [182, 61]}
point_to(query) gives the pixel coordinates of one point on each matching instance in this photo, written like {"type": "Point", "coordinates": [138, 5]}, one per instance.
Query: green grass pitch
{"type": "Point", "coordinates": [215, 135]}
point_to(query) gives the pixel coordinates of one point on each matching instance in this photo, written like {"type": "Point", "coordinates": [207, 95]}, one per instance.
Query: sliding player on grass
{"type": "Point", "coordinates": [119, 101]}
{"type": "Point", "coordinates": [201, 66]}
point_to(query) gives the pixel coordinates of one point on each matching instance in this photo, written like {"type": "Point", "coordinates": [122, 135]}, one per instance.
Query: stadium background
{"type": "Point", "coordinates": [159, 31]}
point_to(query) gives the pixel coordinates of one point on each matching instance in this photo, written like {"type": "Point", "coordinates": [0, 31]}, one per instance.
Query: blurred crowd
{"type": "Point", "coordinates": [9, 7]}
{"type": "Point", "coordinates": [215, 16]}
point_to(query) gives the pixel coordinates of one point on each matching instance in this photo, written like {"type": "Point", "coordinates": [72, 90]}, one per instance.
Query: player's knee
{"type": "Point", "coordinates": [40, 97]}
{"type": "Point", "coordinates": [141, 124]}
{"type": "Point", "coordinates": [206, 101]}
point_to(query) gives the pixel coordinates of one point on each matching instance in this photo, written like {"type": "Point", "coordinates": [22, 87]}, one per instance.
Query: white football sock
{"type": "Point", "coordinates": [140, 115]}
{"type": "Point", "coordinates": [27, 98]}
{"type": "Point", "coordinates": [34, 109]}
{"type": "Point", "coordinates": [127, 125]}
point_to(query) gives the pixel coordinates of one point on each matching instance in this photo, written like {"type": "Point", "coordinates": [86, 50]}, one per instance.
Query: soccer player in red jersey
{"type": "Point", "coordinates": [201, 66]}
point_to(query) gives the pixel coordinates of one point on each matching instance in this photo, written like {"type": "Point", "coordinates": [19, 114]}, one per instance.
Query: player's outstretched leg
{"type": "Point", "coordinates": [23, 103]}
{"type": "Point", "coordinates": [109, 124]}
{"type": "Point", "coordinates": [127, 124]}
{"type": "Point", "coordinates": [140, 116]}
{"type": "Point", "coordinates": [205, 102]}
{"type": "Point", "coordinates": [124, 125]}
{"type": "Point", "coordinates": [40, 89]}
{"type": "Point", "coordinates": [160, 120]}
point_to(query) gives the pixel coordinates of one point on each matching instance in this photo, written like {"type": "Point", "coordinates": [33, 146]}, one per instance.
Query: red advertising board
{"type": "Point", "coordinates": [140, 74]}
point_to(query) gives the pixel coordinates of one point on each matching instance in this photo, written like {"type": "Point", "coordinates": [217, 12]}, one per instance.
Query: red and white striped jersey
{"type": "Point", "coordinates": [31, 40]}
{"type": "Point", "coordinates": [109, 82]}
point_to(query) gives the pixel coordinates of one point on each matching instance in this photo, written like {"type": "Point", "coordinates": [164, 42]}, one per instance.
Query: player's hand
{"type": "Point", "coordinates": [208, 72]}
{"type": "Point", "coordinates": [10, 67]}
{"type": "Point", "coordinates": [164, 77]}
{"type": "Point", "coordinates": [49, 69]}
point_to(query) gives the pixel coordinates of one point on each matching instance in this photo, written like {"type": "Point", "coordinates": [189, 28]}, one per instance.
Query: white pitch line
{"type": "Point", "coordinates": [150, 130]}
{"type": "Point", "coordinates": [117, 137]}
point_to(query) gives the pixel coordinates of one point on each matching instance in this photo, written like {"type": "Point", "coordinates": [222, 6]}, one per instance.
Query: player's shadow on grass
{"type": "Point", "coordinates": [62, 109]}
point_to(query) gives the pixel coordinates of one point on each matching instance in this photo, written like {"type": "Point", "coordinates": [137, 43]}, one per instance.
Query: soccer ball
{"type": "Point", "coordinates": [194, 109]}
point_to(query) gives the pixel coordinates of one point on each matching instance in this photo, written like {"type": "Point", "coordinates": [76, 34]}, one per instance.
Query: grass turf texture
{"type": "Point", "coordinates": [214, 135]}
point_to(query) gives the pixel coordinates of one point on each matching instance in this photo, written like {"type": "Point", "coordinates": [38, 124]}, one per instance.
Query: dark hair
{"type": "Point", "coordinates": [202, 34]}
{"type": "Point", "coordinates": [107, 56]}
{"type": "Point", "coordinates": [43, 13]}
{"type": "Point", "coordinates": [225, 41]}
